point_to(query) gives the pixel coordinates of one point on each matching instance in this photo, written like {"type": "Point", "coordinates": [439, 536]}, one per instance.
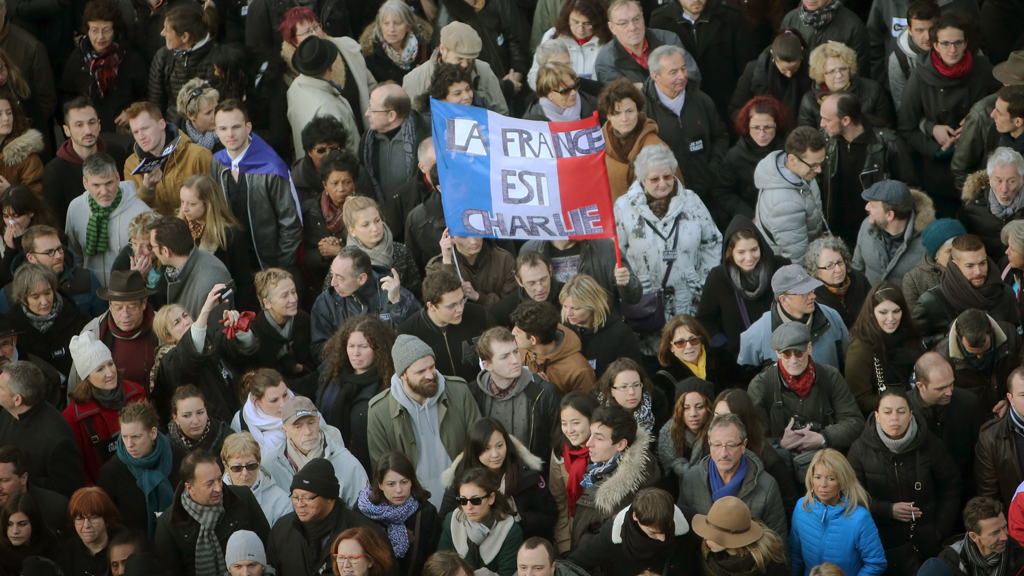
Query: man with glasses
{"type": "Point", "coordinates": [551, 349]}
{"type": "Point", "coordinates": [731, 469]}
{"type": "Point", "coordinates": [626, 56]}
{"type": "Point", "coordinates": [983, 352]}
{"type": "Point", "coordinates": [857, 156]}
{"type": "Point", "coordinates": [889, 241]}
{"type": "Point", "coordinates": [809, 405]}
{"type": "Point", "coordinates": [794, 303]}
{"type": "Point", "coordinates": [395, 131]}
{"type": "Point", "coordinates": [789, 209]}
{"type": "Point", "coordinates": [41, 244]}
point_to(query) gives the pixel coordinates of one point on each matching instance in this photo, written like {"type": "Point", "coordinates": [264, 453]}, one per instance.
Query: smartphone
{"type": "Point", "coordinates": [228, 291]}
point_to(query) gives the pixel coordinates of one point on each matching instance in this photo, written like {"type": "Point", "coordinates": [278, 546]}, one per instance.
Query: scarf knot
{"type": "Point", "coordinates": [800, 384]}
{"type": "Point", "coordinates": [962, 295]}
{"type": "Point", "coordinates": [393, 516]}
{"type": "Point", "coordinates": [719, 489]}
{"type": "Point", "coordinates": [998, 210]}
{"type": "Point", "coordinates": [598, 470]}
{"type": "Point", "coordinates": [97, 237]}
{"type": "Point", "coordinates": [209, 555]}
{"type": "Point", "coordinates": [44, 323]}
{"type": "Point", "coordinates": [897, 445]}
{"type": "Point", "coordinates": [958, 70]}
{"type": "Point", "coordinates": [151, 476]}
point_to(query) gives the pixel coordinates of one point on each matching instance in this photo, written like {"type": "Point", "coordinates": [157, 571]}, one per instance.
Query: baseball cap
{"type": "Point", "coordinates": [296, 407]}
{"type": "Point", "coordinates": [793, 279]}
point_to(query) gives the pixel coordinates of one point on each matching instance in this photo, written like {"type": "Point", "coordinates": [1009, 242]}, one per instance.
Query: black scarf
{"type": "Point", "coordinates": [317, 533]}
{"type": "Point", "coordinates": [1011, 142]}
{"type": "Point", "coordinates": [640, 546]}
{"type": "Point", "coordinates": [110, 399]}
{"type": "Point", "coordinates": [962, 295]}
{"type": "Point", "coordinates": [726, 564]}
{"type": "Point", "coordinates": [789, 91]}
{"type": "Point", "coordinates": [339, 413]}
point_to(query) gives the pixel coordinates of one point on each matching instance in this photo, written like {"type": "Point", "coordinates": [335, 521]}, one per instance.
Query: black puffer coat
{"type": "Point", "coordinates": [923, 473]}
{"type": "Point", "coordinates": [170, 71]}
{"type": "Point", "coordinates": [612, 341]}
{"type": "Point", "coordinates": [736, 193]}
{"type": "Point", "coordinates": [345, 402]}
{"type": "Point", "coordinates": [293, 358]}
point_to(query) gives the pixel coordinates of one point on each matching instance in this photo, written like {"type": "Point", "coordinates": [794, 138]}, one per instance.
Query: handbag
{"type": "Point", "coordinates": [648, 315]}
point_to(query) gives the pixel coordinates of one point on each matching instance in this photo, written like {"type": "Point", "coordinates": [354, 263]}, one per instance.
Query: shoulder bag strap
{"type": "Point", "coordinates": [416, 543]}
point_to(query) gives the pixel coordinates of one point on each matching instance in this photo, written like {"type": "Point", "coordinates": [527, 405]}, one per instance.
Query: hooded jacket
{"type": "Point", "coordinates": [19, 160]}
{"type": "Point", "coordinates": [188, 159]}
{"type": "Point", "coordinates": [79, 213]}
{"type": "Point", "coordinates": [723, 311]}
{"type": "Point", "coordinates": [789, 210]}
{"type": "Point", "coordinates": [62, 176]}
{"type": "Point", "coordinates": [934, 314]}
{"type": "Point", "coordinates": [607, 553]}
{"type": "Point", "coordinates": [823, 533]}
{"type": "Point", "coordinates": [613, 62]}
{"type": "Point", "coordinates": [170, 70]}
{"type": "Point", "coordinates": [990, 385]}
{"type": "Point", "coordinates": [978, 217]}
{"type": "Point", "coordinates": [564, 367]}
{"type": "Point", "coordinates": [845, 27]}
{"type": "Point", "coordinates": [273, 500]}
{"type": "Point", "coordinates": [349, 471]}
{"type": "Point", "coordinates": [871, 257]}
{"type": "Point", "coordinates": [978, 139]}
{"type": "Point", "coordinates": [527, 412]}
{"type": "Point", "coordinates": [485, 81]}
{"type": "Point", "coordinates": [829, 337]}
{"type": "Point", "coordinates": [493, 274]}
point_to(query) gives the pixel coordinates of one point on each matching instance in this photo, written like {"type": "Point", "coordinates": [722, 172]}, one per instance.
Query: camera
{"type": "Point", "coordinates": [800, 423]}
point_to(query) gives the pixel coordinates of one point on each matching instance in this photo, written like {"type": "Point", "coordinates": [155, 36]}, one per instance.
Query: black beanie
{"type": "Point", "coordinates": [318, 477]}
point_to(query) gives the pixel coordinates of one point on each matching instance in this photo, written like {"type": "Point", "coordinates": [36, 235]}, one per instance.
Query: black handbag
{"type": "Point", "coordinates": [648, 315]}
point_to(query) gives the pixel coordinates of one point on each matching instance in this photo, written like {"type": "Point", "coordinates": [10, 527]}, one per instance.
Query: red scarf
{"type": "Point", "coordinates": [580, 41]}
{"type": "Point", "coordinates": [959, 70]}
{"type": "Point", "coordinates": [576, 464]}
{"type": "Point", "coordinates": [800, 384]}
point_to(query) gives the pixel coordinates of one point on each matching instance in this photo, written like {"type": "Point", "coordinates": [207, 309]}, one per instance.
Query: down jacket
{"type": "Point", "coordinates": [824, 533]}
{"type": "Point", "coordinates": [871, 257]}
{"type": "Point", "coordinates": [170, 70]}
{"type": "Point", "coordinates": [19, 160]}
{"type": "Point", "coordinates": [978, 219]}
{"type": "Point", "coordinates": [828, 335]}
{"type": "Point", "coordinates": [349, 471]}
{"type": "Point", "coordinates": [788, 211]}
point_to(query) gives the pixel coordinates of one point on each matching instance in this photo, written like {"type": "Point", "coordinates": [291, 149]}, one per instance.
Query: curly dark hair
{"type": "Point", "coordinates": [338, 161]}
{"type": "Point", "coordinates": [380, 336]}
{"type": "Point", "coordinates": [596, 11]}
{"type": "Point", "coordinates": [446, 75]}
{"type": "Point", "coordinates": [323, 130]}
{"type": "Point", "coordinates": [763, 105]}
{"type": "Point", "coordinates": [103, 11]}
{"type": "Point", "coordinates": [617, 91]}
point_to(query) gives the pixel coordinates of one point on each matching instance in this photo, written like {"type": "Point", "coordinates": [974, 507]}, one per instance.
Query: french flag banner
{"type": "Point", "coordinates": [502, 177]}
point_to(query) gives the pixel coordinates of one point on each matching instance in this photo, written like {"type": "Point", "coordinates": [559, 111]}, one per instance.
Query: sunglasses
{"type": "Point", "coordinates": [325, 149]}
{"type": "Point", "coordinates": [787, 354]}
{"type": "Point", "coordinates": [250, 467]}
{"type": "Point", "coordinates": [476, 501]}
{"type": "Point", "coordinates": [574, 88]}
{"type": "Point", "coordinates": [196, 93]}
{"type": "Point", "coordinates": [695, 341]}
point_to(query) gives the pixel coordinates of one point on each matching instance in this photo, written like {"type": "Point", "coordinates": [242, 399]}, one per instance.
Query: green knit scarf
{"type": "Point", "coordinates": [96, 237]}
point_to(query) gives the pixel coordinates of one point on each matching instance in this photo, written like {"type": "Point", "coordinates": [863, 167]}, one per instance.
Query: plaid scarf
{"type": "Point", "coordinates": [800, 384]}
{"type": "Point", "coordinates": [209, 556]}
{"type": "Point", "coordinates": [820, 17]}
{"type": "Point", "coordinates": [102, 66]}
{"type": "Point", "coordinates": [96, 235]}
{"type": "Point", "coordinates": [332, 216]}
{"type": "Point", "coordinates": [393, 516]}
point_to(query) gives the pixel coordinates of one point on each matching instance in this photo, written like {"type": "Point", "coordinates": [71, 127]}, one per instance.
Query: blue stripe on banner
{"type": "Point", "coordinates": [461, 142]}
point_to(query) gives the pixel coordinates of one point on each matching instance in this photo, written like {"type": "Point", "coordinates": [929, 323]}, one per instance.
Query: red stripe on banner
{"type": "Point", "coordinates": [583, 182]}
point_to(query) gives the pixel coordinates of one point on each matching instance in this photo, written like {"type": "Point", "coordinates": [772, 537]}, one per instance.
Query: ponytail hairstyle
{"type": "Point", "coordinates": [256, 382]}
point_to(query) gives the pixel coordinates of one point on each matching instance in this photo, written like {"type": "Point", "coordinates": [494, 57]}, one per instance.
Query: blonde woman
{"type": "Point", "coordinates": [138, 254]}
{"type": "Point", "coordinates": [242, 457]}
{"type": "Point", "coordinates": [832, 522]}
{"type": "Point", "coordinates": [560, 98]}
{"type": "Point", "coordinates": [833, 67]}
{"type": "Point", "coordinates": [368, 232]}
{"type": "Point", "coordinates": [283, 332]}
{"type": "Point", "coordinates": [197, 100]}
{"type": "Point", "coordinates": [604, 337]}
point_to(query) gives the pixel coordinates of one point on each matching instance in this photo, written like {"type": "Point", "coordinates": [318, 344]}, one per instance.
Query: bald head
{"type": "Point", "coordinates": [426, 156]}
{"type": "Point", "coordinates": [389, 106]}
{"type": "Point", "coordinates": [934, 379]}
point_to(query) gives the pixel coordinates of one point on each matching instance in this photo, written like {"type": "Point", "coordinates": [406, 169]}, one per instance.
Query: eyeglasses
{"type": "Point", "coordinates": [628, 387]}
{"type": "Point", "coordinates": [82, 520]}
{"type": "Point", "coordinates": [811, 166]}
{"type": "Point", "coordinates": [475, 501]}
{"type": "Point", "coordinates": [719, 446]}
{"type": "Point", "coordinates": [321, 150]}
{"type": "Point", "coordinates": [835, 71]}
{"type": "Point", "coordinates": [118, 307]}
{"type": "Point", "coordinates": [636, 21]}
{"type": "Point", "coordinates": [831, 265]}
{"type": "Point", "coordinates": [768, 128]}
{"type": "Point", "coordinates": [314, 28]}
{"type": "Point", "coordinates": [787, 354]}
{"type": "Point", "coordinates": [574, 88]}
{"type": "Point", "coordinates": [694, 342]}
{"type": "Point", "coordinates": [452, 307]}
{"type": "Point", "coordinates": [251, 467]}
{"type": "Point", "coordinates": [51, 253]}
{"type": "Point", "coordinates": [371, 111]}
{"type": "Point", "coordinates": [303, 499]}
{"type": "Point", "coordinates": [196, 94]}
{"type": "Point", "coordinates": [954, 44]}
{"type": "Point", "coordinates": [656, 179]}
{"type": "Point", "coordinates": [350, 560]}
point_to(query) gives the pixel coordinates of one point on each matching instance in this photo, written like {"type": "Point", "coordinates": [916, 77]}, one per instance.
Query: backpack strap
{"type": "Point", "coordinates": [901, 58]}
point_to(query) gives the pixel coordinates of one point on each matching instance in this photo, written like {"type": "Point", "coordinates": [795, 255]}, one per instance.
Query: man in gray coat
{"type": "Point", "coordinates": [889, 242]}
{"type": "Point", "coordinates": [626, 55]}
{"type": "Point", "coordinates": [388, 151]}
{"type": "Point", "coordinates": [191, 273]}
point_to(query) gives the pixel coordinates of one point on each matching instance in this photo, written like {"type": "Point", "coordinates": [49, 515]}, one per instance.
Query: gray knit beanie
{"type": "Point", "coordinates": [408, 349]}
{"type": "Point", "coordinates": [244, 546]}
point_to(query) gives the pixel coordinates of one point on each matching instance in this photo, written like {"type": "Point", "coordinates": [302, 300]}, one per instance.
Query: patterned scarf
{"type": "Point", "coordinates": [297, 458]}
{"type": "Point", "coordinates": [205, 139]}
{"type": "Point", "coordinates": [1017, 421]}
{"type": "Point", "coordinates": [1000, 211]}
{"type": "Point", "coordinates": [839, 290]}
{"type": "Point", "coordinates": [96, 235]}
{"type": "Point", "coordinates": [102, 66]}
{"type": "Point", "coordinates": [820, 17]}
{"type": "Point", "coordinates": [332, 216]}
{"type": "Point", "coordinates": [407, 134]}
{"type": "Point", "coordinates": [147, 323]}
{"type": "Point", "coordinates": [407, 58]}
{"type": "Point", "coordinates": [958, 70]}
{"type": "Point", "coordinates": [897, 445]}
{"type": "Point", "coordinates": [659, 206]}
{"type": "Point", "coordinates": [576, 465]}
{"type": "Point", "coordinates": [800, 384]}
{"type": "Point", "coordinates": [598, 470]}
{"type": "Point", "coordinates": [643, 414]}
{"type": "Point", "coordinates": [978, 565]}
{"type": "Point", "coordinates": [209, 555]}
{"type": "Point", "coordinates": [44, 323]}
{"type": "Point", "coordinates": [179, 437]}
{"type": "Point", "coordinates": [393, 516]}
{"type": "Point", "coordinates": [197, 229]}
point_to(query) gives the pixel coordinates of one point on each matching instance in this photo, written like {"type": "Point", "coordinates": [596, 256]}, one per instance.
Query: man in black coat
{"type": "Point", "coordinates": [14, 465]}
{"type": "Point", "coordinates": [983, 352]}
{"type": "Point", "coordinates": [31, 423]}
{"type": "Point", "coordinates": [300, 542]}
{"type": "Point", "coordinates": [400, 202]}
{"type": "Point", "coordinates": [536, 283]}
{"type": "Point", "coordinates": [179, 532]}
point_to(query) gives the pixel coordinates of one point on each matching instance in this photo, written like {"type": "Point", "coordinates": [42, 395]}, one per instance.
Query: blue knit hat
{"type": "Point", "coordinates": [935, 567]}
{"type": "Point", "coordinates": [938, 232]}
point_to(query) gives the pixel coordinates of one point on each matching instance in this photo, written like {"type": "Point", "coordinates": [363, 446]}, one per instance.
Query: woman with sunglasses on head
{"type": "Point", "coordinates": [560, 99]}
{"type": "Point", "coordinates": [682, 440]}
{"type": "Point", "coordinates": [395, 499]}
{"type": "Point", "coordinates": [490, 447]}
{"type": "Point", "coordinates": [625, 383]}
{"type": "Point", "coordinates": [483, 530]}
{"type": "Point", "coordinates": [241, 457]}
{"type": "Point", "coordinates": [23, 534]}
{"type": "Point", "coordinates": [197, 101]}
{"type": "Point", "coordinates": [843, 289]}
{"type": "Point", "coordinates": [569, 459]}
{"type": "Point", "coordinates": [96, 520]}
{"type": "Point", "coordinates": [360, 551]}
{"type": "Point", "coordinates": [685, 351]}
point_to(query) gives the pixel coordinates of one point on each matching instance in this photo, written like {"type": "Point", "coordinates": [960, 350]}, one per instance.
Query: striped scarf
{"type": "Point", "coordinates": [209, 556]}
{"type": "Point", "coordinates": [96, 236]}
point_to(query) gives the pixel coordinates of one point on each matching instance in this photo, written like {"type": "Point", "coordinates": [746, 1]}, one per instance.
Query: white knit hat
{"type": "Point", "coordinates": [244, 546]}
{"type": "Point", "coordinates": [88, 353]}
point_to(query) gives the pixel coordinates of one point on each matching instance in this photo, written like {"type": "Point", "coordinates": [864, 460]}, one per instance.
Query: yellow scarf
{"type": "Point", "coordinates": [700, 369]}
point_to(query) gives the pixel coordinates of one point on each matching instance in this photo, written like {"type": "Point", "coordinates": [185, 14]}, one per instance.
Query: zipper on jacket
{"type": "Point", "coordinates": [447, 347]}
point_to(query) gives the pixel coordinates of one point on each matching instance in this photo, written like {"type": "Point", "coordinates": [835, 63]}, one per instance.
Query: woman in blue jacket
{"type": "Point", "coordinates": [832, 522]}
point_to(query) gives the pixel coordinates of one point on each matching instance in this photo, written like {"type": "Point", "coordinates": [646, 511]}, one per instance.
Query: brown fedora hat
{"type": "Point", "coordinates": [1012, 71]}
{"type": "Point", "coordinates": [125, 285]}
{"type": "Point", "coordinates": [728, 524]}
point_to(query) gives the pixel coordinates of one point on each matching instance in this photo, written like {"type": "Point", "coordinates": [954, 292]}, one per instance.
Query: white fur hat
{"type": "Point", "coordinates": [88, 353]}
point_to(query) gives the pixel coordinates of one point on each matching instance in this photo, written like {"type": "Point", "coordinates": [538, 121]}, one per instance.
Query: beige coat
{"type": "Point", "coordinates": [309, 97]}
{"type": "Point", "coordinates": [558, 476]}
{"type": "Point", "coordinates": [485, 82]}
{"type": "Point", "coordinates": [351, 51]}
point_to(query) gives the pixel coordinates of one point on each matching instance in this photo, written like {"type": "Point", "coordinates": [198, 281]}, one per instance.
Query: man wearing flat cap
{"type": "Point", "coordinates": [794, 303]}
{"type": "Point", "coordinates": [889, 242]}
{"type": "Point", "coordinates": [424, 415]}
{"type": "Point", "coordinates": [460, 44]}
{"type": "Point", "coordinates": [809, 405]}
{"type": "Point", "coordinates": [313, 92]}
{"type": "Point", "coordinates": [306, 439]}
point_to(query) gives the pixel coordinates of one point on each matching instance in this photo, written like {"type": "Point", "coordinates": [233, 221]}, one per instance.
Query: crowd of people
{"type": "Point", "coordinates": [238, 338]}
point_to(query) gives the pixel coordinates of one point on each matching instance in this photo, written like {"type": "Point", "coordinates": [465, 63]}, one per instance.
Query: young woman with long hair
{"type": "Point", "coordinates": [569, 459]}
{"type": "Point", "coordinates": [360, 551]}
{"type": "Point", "coordinates": [483, 529]}
{"type": "Point", "coordinates": [681, 441]}
{"type": "Point", "coordinates": [23, 533]}
{"type": "Point", "coordinates": [625, 383]}
{"type": "Point", "coordinates": [20, 146]}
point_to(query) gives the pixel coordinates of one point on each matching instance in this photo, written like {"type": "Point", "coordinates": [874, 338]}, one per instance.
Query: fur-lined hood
{"type": "Point", "coordinates": [976, 186]}
{"type": "Point", "coordinates": [528, 459]}
{"type": "Point", "coordinates": [924, 210]}
{"type": "Point", "coordinates": [19, 149]}
{"type": "Point", "coordinates": [627, 477]}
{"type": "Point", "coordinates": [423, 31]}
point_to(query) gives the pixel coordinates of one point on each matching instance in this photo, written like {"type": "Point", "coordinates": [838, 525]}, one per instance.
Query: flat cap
{"type": "Point", "coordinates": [790, 336]}
{"type": "Point", "coordinates": [892, 192]}
{"type": "Point", "coordinates": [461, 39]}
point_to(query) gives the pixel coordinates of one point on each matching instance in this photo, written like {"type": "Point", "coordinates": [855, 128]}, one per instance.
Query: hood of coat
{"type": "Point", "coordinates": [741, 222]}
{"type": "Point", "coordinates": [370, 39]}
{"type": "Point", "coordinates": [525, 377]}
{"type": "Point", "coordinates": [680, 525]}
{"type": "Point", "coordinates": [568, 344]}
{"type": "Point", "coordinates": [628, 476]}
{"type": "Point", "coordinates": [954, 350]}
{"type": "Point", "coordinates": [19, 149]}
{"type": "Point", "coordinates": [768, 174]}
{"type": "Point", "coordinates": [528, 459]}
{"type": "Point", "coordinates": [874, 441]}
{"type": "Point", "coordinates": [337, 70]}
{"type": "Point", "coordinates": [976, 187]}
{"type": "Point", "coordinates": [924, 210]}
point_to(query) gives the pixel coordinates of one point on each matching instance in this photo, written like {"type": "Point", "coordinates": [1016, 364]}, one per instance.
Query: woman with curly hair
{"type": "Point", "coordinates": [581, 26]}
{"type": "Point", "coordinates": [761, 125]}
{"type": "Point", "coordinates": [357, 366]}
{"type": "Point", "coordinates": [396, 42]}
{"type": "Point", "coordinates": [20, 146]}
{"type": "Point", "coordinates": [625, 383]}
{"type": "Point", "coordinates": [452, 83]}
{"type": "Point", "coordinates": [843, 289]}
{"type": "Point", "coordinates": [833, 67]}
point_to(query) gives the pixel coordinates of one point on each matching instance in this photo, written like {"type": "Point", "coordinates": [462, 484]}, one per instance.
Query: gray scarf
{"type": "Point", "coordinates": [299, 460]}
{"type": "Point", "coordinates": [209, 556]}
{"type": "Point", "coordinates": [110, 399]}
{"type": "Point", "coordinates": [762, 274]}
{"type": "Point", "coordinates": [205, 139]}
{"type": "Point", "coordinates": [980, 565]}
{"type": "Point", "coordinates": [1001, 211]}
{"type": "Point", "coordinates": [556, 114]}
{"type": "Point", "coordinates": [285, 332]}
{"type": "Point", "coordinates": [382, 253]}
{"type": "Point", "coordinates": [44, 323]}
{"type": "Point", "coordinates": [896, 446]}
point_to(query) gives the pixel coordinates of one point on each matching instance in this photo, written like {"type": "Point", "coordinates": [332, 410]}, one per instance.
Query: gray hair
{"type": "Point", "coordinates": [1005, 155]}
{"type": "Point", "coordinates": [100, 164]}
{"type": "Point", "coordinates": [830, 242]}
{"type": "Point", "coordinates": [652, 157]}
{"type": "Point", "coordinates": [548, 50]}
{"type": "Point", "coordinates": [726, 420]}
{"type": "Point", "coordinates": [1014, 231]}
{"type": "Point", "coordinates": [29, 276]}
{"type": "Point", "coordinates": [400, 9]}
{"type": "Point", "coordinates": [654, 60]}
{"type": "Point", "coordinates": [361, 263]}
{"type": "Point", "coordinates": [26, 380]}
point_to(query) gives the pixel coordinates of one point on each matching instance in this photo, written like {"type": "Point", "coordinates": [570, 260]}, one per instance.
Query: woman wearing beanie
{"type": "Point", "coordinates": [912, 481]}
{"type": "Point", "coordinates": [245, 556]}
{"type": "Point", "coordinates": [937, 239]}
{"type": "Point", "coordinates": [95, 402]}
{"type": "Point", "coordinates": [482, 529]}
{"type": "Point", "coordinates": [734, 544]}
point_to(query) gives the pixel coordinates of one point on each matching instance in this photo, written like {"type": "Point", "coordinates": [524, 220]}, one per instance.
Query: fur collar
{"type": "Point", "coordinates": [19, 149]}
{"type": "Point", "coordinates": [525, 456]}
{"type": "Point", "coordinates": [628, 476]}
{"type": "Point", "coordinates": [423, 31]}
{"type": "Point", "coordinates": [924, 210]}
{"type": "Point", "coordinates": [975, 186]}
{"type": "Point", "coordinates": [681, 525]}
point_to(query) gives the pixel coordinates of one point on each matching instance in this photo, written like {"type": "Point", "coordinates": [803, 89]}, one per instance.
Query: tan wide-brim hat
{"type": "Point", "coordinates": [1012, 71]}
{"type": "Point", "coordinates": [728, 524]}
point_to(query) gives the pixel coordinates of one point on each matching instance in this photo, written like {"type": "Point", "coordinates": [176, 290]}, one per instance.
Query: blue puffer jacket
{"type": "Point", "coordinates": [825, 534]}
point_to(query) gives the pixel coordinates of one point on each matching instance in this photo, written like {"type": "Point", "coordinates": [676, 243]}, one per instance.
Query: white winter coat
{"type": "Point", "coordinates": [582, 57]}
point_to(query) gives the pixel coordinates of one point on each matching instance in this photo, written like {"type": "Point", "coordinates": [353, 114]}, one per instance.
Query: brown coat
{"type": "Point", "coordinates": [187, 160]}
{"type": "Point", "coordinates": [558, 477]}
{"type": "Point", "coordinates": [620, 162]}
{"type": "Point", "coordinates": [565, 366]}
{"type": "Point", "coordinates": [20, 163]}
{"type": "Point", "coordinates": [493, 274]}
